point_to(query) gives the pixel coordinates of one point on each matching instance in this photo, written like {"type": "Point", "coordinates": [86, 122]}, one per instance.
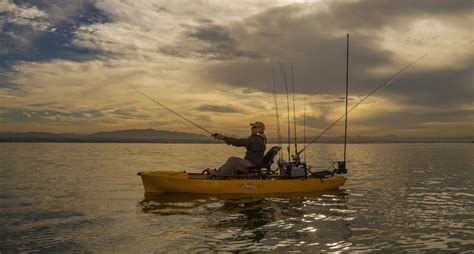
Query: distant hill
{"type": "Point", "coordinates": [161, 136]}
{"type": "Point", "coordinates": [122, 136]}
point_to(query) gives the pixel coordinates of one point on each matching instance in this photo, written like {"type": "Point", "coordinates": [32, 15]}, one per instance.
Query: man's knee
{"type": "Point", "coordinates": [233, 159]}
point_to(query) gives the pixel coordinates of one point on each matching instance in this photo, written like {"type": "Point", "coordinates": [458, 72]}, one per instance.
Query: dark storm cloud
{"type": "Point", "coordinates": [318, 56]}
{"type": "Point", "coordinates": [218, 109]}
{"type": "Point", "coordinates": [292, 33]}
{"type": "Point", "coordinates": [440, 87]}
{"type": "Point", "coordinates": [370, 14]}
{"type": "Point", "coordinates": [213, 34]}
{"type": "Point", "coordinates": [320, 69]}
{"type": "Point", "coordinates": [217, 44]}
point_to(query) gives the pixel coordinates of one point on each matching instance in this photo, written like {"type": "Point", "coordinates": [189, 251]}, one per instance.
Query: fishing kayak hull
{"type": "Point", "coordinates": [182, 182]}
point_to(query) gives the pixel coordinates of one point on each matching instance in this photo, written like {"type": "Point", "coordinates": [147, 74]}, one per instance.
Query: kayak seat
{"type": "Point", "coordinates": [267, 162]}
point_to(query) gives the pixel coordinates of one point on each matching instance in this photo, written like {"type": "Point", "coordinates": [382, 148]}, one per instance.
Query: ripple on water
{"type": "Point", "coordinates": [257, 223]}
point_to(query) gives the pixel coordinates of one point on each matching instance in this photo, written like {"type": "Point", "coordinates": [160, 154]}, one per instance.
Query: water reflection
{"type": "Point", "coordinates": [300, 221]}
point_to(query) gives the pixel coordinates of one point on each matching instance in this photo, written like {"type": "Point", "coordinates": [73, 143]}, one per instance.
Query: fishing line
{"type": "Point", "coordinates": [394, 77]}
{"type": "Point", "coordinates": [172, 111]}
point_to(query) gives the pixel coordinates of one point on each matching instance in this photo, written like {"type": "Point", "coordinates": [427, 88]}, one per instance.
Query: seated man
{"type": "Point", "coordinates": [255, 145]}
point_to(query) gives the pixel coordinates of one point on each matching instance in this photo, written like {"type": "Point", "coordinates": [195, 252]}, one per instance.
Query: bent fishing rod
{"type": "Point", "coordinates": [394, 77]}
{"type": "Point", "coordinates": [172, 111]}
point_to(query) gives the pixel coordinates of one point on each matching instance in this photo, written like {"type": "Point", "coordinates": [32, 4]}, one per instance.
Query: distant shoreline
{"type": "Point", "coordinates": [214, 142]}
{"type": "Point", "coordinates": [106, 142]}
{"type": "Point", "coordinates": [152, 136]}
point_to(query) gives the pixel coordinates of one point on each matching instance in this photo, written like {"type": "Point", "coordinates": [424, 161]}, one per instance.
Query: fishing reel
{"type": "Point", "coordinates": [215, 136]}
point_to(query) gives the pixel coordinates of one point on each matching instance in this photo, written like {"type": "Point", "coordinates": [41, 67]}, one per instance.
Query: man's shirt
{"type": "Point", "coordinates": [255, 145]}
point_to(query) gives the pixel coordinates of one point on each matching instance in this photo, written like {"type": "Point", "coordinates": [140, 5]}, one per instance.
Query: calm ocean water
{"type": "Point", "coordinates": [88, 198]}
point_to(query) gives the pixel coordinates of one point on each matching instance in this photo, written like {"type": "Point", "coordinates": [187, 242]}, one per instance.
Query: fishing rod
{"type": "Point", "coordinates": [294, 109]}
{"type": "Point", "coordinates": [172, 111]}
{"type": "Point", "coordinates": [304, 127]}
{"type": "Point", "coordinates": [274, 90]}
{"type": "Point", "coordinates": [393, 78]}
{"type": "Point", "coordinates": [288, 111]}
{"type": "Point", "coordinates": [276, 113]}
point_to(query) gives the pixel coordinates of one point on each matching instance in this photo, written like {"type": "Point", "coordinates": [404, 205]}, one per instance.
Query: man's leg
{"type": "Point", "coordinates": [232, 166]}
{"type": "Point", "coordinates": [241, 166]}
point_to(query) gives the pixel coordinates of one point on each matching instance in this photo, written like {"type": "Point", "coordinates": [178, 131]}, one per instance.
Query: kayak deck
{"type": "Point", "coordinates": [183, 182]}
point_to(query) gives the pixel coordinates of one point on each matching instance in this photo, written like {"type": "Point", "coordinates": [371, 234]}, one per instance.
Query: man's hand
{"type": "Point", "coordinates": [218, 136]}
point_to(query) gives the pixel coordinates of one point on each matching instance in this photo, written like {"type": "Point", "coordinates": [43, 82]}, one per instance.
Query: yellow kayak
{"type": "Point", "coordinates": [183, 182]}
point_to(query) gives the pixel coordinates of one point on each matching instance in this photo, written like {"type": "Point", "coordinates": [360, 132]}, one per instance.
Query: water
{"type": "Point", "coordinates": [88, 198]}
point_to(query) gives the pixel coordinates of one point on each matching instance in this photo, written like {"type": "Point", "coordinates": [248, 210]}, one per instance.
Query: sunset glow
{"type": "Point", "coordinates": [65, 66]}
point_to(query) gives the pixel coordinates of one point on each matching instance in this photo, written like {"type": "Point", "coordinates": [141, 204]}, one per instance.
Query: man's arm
{"type": "Point", "coordinates": [231, 141]}
{"type": "Point", "coordinates": [236, 141]}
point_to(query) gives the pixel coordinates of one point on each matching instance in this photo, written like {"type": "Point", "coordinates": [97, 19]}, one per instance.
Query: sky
{"type": "Point", "coordinates": [66, 66]}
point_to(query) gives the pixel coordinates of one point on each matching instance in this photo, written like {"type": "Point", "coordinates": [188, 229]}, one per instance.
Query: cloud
{"type": "Point", "coordinates": [40, 30]}
{"type": "Point", "coordinates": [18, 15]}
{"type": "Point", "coordinates": [437, 87]}
{"type": "Point", "coordinates": [313, 38]}
{"type": "Point", "coordinates": [188, 55]}
{"type": "Point", "coordinates": [18, 25]}
{"type": "Point", "coordinates": [412, 123]}
{"type": "Point", "coordinates": [72, 87]}
{"type": "Point", "coordinates": [54, 117]}
{"type": "Point", "coordinates": [367, 14]}
{"type": "Point", "coordinates": [318, 55]}
{"type": "Point", "coordinates": [316, 122]}
{"type": "Point", "coordinates": [208, 41]}
{"type": "Point", "coordinates": [183, 31]}
{"type": "Point", "coordinates": [218, 109]}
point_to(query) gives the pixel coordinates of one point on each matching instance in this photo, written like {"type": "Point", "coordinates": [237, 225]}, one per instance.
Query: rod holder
{"type": "Point", "coordinates": [341, 167]}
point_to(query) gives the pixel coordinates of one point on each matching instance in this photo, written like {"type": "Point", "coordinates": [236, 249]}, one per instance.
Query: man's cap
{"type": "Point", "coordinates": [258, 125]}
